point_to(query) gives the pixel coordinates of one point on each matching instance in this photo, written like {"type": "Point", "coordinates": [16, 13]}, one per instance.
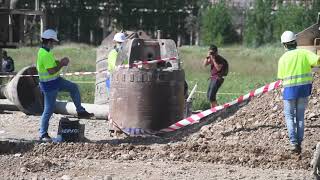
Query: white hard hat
{"type": "Point", "coordinates": [119, 37]}
{"type": "Point", "coordinates": [50, 34]}
{"type": "Point", "coordinates": [288, 36]}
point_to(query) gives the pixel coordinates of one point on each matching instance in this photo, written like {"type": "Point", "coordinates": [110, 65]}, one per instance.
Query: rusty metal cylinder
{"type": "Point", "coordinates": [149, 99]}
{"type": "Point", "coordinates": [101, 95]}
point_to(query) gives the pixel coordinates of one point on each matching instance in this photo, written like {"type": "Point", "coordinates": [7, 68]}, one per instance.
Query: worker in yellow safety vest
{"type": "Point", "coordinates": [295, 71]}
{"type": "Point", "coordinates": [51, 83]}
{"type": "Point", "coordinates": [118, 39]}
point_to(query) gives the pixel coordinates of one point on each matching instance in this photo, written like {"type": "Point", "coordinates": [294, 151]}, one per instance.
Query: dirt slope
{"type": "Point", "coordinates": [253, 137]}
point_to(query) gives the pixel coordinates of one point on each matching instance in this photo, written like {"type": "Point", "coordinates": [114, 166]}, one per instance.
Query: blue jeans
{"type": "Point", "coordinates": [108, 82]}
{"type": "Point", "coordinates": [50, 102]}
{"type": "Point", "coordinates": [294, 115]}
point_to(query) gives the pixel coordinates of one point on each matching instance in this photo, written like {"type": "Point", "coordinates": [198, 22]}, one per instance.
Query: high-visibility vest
{"type": "Point", "coordinates": [295, 67]}
{"type": "Point", "coordinates": [46, 61]}
{"type": "Point", "coordinates": [112, 58]}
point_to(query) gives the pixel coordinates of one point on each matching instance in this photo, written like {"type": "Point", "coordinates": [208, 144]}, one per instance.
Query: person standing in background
{"type": "Point", "coordinates": [219, 69]}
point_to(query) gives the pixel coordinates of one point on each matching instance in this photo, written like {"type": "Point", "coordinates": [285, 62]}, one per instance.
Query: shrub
{"type": "Point", "coordinates": [292, 18]}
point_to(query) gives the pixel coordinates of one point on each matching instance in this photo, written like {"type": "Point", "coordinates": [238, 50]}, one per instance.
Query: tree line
{"type": "Point", "coordinates": [90, 21]}
{"type": "Point", "coordinates": [264, 23]}
{"type": "Point", "coordinates": [186, 21]}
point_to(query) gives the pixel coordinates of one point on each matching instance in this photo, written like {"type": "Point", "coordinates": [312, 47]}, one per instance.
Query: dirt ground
{"type": "Point", "coordinates": [106, 158]}
{"type": "Point", "coordinates": [249, 143]}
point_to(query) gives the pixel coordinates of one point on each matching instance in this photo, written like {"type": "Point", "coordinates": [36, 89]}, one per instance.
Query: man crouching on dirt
{"type": "Point", "coordinates": [295, 71]}
{"type": "Point", "coordinates": [219, 68]}
{"type": "Point", "coordinates": [51, 83]}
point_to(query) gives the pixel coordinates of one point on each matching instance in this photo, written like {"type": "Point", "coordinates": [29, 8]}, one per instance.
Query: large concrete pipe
{"type": "Point", "coordinates": [63, 107]}
{"type": "Point", "coordinates": [68, 108]}
{"type": "Point", "coordinates": [5, 104]}
{"type": "Point", "coordinates": [25, 94]}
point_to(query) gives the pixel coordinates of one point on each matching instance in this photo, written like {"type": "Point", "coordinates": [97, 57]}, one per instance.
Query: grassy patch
{"type": "Point", "coordinates": [83, 57]}
{"type": "Point", "coordinates": [249, 68]}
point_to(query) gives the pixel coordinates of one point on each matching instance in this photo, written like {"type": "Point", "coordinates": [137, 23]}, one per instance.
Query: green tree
{"type": "Point", "coordinates": [312, 13]}
{"type": "Point", "coordinates": [259, 24]}
{"type": "Point", "coordinates": [191, 25]}
{"type": "Point", "coordinates": [290, 17]}
{"type": "Point", "coordinates": [216, 25]}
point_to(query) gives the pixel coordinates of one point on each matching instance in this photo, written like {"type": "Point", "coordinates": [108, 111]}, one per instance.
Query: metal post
{"type": "Point", "coordinates": [91, 37]}
{"type": "Point", "coordinates": [158, 34]}
{"type": "Point", "coordinates": [179, 40]}
{"type": "Point", "coordinates": [10, 30]}
{"type": "Point", "coordinates": [78, 29]}
{"type": "Point", "coordinates": [1, 54]}
{"type": "Point", "coordinates": [41, 26]}
{"type": "Point", "coordinates": [43, 20]}
{"type": "Point", "coordinates": [197, 38]}
{"type": "Point", "coordinates": [43, 23]}
{"type": "Point", "coordinates": [24, 29]}
{"type": "Point", "coordinates": [36, 5]}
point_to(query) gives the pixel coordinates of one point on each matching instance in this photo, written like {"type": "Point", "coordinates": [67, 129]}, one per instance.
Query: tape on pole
{"type": "Point", "coordinates": [146, 62]}
{"type": "Point", "coordinates": [143, 62]}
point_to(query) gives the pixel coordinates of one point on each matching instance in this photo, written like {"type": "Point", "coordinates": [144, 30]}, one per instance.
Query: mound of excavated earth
{"type": "Point", "coordinates": [254, 136]}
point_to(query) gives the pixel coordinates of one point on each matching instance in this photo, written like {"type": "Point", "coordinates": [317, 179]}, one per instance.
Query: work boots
{"type": "Point", "coordinates": [295, 148]}
{"type": "Point", "coordinates": [85, 115]}
{"type": "Point", "coordinates": [45, 138]}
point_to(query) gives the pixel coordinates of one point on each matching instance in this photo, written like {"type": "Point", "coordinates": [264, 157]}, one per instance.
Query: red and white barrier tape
{"type": "Point", "coordinates": [145, 62]}
{"type": "Point", "coordinates": [102, 72]}
{"type": "Point", "coordinates": [62, 74]}
{"type": "Point", "coordinates": [197, 117]}
{"type": "Point", "coordinates": [225, 93]}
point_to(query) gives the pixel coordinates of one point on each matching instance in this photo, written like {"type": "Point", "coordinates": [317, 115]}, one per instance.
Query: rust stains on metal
{"type": "Point", "coordinates": [147, 98]}
{"type": "Point", "coordinates": [101, 97]}
{"type": "Point", "coordinates": [152, 96]}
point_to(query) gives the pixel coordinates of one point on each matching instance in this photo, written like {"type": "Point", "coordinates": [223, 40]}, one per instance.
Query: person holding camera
{"type": "Point", "coordinates": [219, 69]}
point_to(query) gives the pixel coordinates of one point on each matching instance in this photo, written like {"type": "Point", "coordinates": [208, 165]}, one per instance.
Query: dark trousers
{"type": "Point", "coordinates": [214, 86]}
